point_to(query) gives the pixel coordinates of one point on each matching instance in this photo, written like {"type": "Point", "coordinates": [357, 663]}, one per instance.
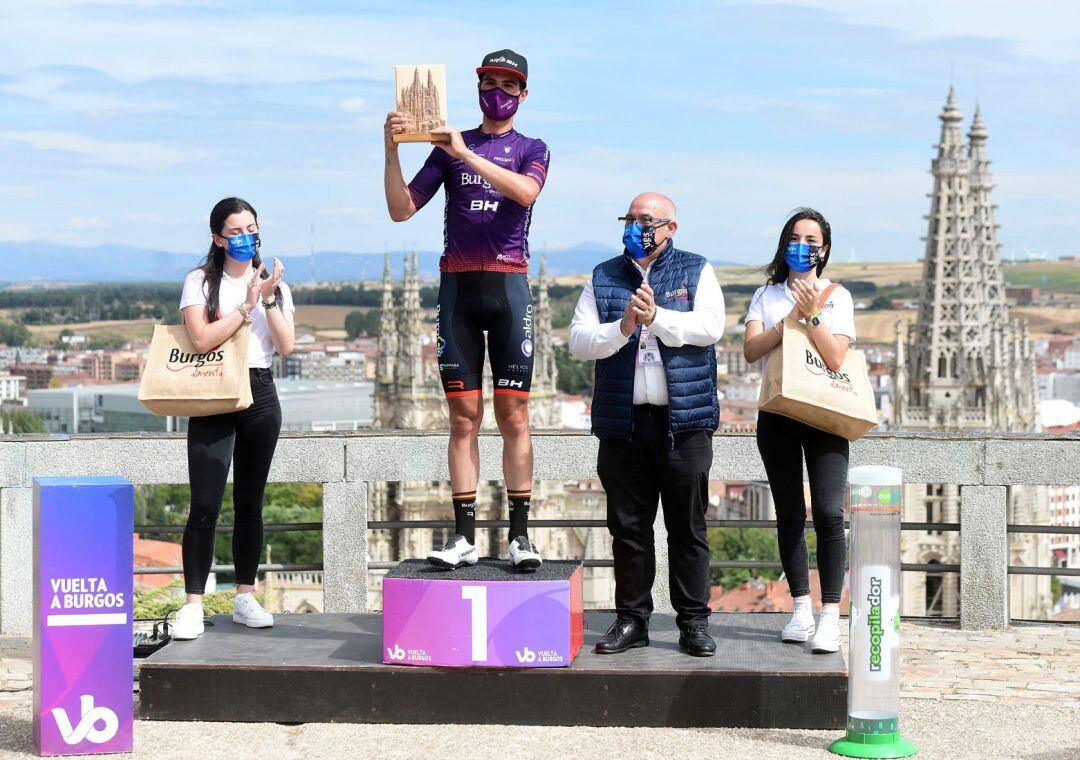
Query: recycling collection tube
{"type": "Point", "coordinates": [874, 509]}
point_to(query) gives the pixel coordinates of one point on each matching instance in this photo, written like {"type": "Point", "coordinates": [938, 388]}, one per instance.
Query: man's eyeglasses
{"type": "Point", "coordinates": [644, 220]}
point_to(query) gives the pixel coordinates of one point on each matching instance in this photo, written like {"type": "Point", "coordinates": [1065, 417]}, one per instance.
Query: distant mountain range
{"type": "Point", "coordinates": [112, 262]}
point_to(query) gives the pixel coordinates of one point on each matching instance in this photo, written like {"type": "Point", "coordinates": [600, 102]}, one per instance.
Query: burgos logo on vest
{"type": "Point", "coordinates": [86, 728]}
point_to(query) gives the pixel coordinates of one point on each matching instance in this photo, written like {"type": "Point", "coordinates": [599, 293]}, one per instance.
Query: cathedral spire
{"type": "Point", "coordinates": [386, 365]}
{"type": "Point", "coordinates": [963, 357]}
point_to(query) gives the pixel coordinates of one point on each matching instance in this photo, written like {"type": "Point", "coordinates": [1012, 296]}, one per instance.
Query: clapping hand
{"type": "Point", "coordinates": [270, 284]}
{"type": "Point", "coordinates": [806, 296]}
{"type": "Point", "coordinates": [643, 304]}
{"type": "Point", "coordinates": [253, 289]}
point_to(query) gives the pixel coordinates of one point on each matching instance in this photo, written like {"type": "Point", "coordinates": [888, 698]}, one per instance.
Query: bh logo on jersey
{"type": "Point", "coordinates": [395, 652]}
{"type": "Point", "coordinates": [483, 205]}
{"type": "Point", "coordinates": [525, 656]}
{"type": "Point", "coordinates": [86, 729]}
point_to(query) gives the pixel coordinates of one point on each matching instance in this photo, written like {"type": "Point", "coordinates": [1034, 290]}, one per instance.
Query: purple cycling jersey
{"type": "Point", "coordinates": [483, 230]}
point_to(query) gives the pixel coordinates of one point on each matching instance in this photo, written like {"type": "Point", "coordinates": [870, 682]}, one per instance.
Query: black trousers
{"type": "Point", "coordinates": [782, 442]}
{"type": "Point", "coordinates": [246, 439]}
{"type": "Point", "coordinates": [637, 472]}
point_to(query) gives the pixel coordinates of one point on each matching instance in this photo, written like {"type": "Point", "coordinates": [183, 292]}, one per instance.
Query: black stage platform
{"type": "Point", "coordinates": [328, 668]}
{"type": "Point", "coordinates": [487, 569]}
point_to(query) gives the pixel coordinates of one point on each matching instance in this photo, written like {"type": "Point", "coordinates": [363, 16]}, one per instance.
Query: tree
{"type": "Point", "coordinates": [575, 376]}
{"type": "Point", "coordinates": [749, 544]}
{"type": "Point", "coordinates": [282, 503]}
{"type": "Point", "coordinates": [731, 544]}
{"type": "Point", "coordinates": [13, 334]}
{"type": "Point", "coordinates": [881, 302]}
{"type": "Point", "coordinates": [20, 422]}
{"type": "Point", "coordinates": [364, 323]}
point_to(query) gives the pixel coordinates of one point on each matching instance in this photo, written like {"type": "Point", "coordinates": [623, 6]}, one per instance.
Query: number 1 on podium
{"type": "Point", "coordinates": [477, 595]}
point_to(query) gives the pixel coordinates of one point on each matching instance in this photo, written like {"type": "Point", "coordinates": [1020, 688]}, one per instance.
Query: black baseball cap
{"type": "Point", "coordinates": [507, 62]}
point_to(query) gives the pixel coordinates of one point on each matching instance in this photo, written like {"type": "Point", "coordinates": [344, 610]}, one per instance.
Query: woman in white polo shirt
{"type": "Point", "coordinates": [228, 289]}
{"type": "Point", "coordinates": [793, 287]}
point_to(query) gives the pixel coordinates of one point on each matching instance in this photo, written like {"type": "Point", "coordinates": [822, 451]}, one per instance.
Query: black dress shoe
{"type": "Point", "coordinates": [696, 641]}
{"type": "Point", "coordinates": [625, 633]}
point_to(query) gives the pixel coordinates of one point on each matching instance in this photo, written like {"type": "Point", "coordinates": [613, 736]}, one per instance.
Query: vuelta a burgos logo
{"type": "Point", "coordinates": [527, 656]}
{"type": "Point", "coordinates": [179, 360]}
{"type": "Point", "coordinates": [86, 729]}
{"type": "Point", "coordinates": [395, 652]}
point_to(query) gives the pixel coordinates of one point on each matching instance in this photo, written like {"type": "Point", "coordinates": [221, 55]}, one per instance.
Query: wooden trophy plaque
{"type": "Point", "coordinates": [421, 95]}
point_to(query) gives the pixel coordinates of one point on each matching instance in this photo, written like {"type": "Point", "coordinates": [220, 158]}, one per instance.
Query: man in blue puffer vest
{"type": "Point", "coordinates": [650, 319]}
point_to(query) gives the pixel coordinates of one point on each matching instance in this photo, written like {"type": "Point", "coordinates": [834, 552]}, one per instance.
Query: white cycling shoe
{"type": "Point", "coordinates": [523, 555]}
{"type": "Point", "coordinates": [458, 552]}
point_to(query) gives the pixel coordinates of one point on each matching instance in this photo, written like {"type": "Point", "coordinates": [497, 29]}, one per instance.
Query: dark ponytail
{"type": "Point", "coordinates": [213, 265]}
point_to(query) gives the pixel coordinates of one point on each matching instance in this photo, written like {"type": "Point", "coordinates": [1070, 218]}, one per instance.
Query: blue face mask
{"type": "Point", "coordinates": [640, 241]}
{"type": "Point", "coordinates": [244, 247]}
{"type": "Point", "coordinates": [802, 257]}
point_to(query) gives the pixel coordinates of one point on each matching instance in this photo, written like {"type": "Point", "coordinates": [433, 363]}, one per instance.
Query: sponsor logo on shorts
{"type": "Point", "coordinates": [527, 347]}
{"type": "Point", "coordinates": [440, 346]}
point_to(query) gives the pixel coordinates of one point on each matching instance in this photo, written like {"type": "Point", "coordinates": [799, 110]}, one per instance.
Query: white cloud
{"type": "Point", "coordinates": [88, 223]}
{"type": "Point", "coordinates": [353, 105]}
{"type": "Point", "coordinates": [173, 41]}
{"type": "Point", "coordinates": [1041, 29]}
{"type": "Point", "coordinates": [350, 211]}
{"type": "Point", "coordinates": [146, 156]}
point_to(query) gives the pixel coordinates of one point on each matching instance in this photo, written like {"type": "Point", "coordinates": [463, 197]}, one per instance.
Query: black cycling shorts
{"type": "Point", "coordinates": [471, 303]}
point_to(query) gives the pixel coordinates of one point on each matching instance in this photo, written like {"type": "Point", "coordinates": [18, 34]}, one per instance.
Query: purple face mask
{"type": "Point", "coordinates": [497, 105]}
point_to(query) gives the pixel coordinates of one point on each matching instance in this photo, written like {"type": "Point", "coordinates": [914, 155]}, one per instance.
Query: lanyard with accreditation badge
{"type": "Point", "coordinates": [648, 354]}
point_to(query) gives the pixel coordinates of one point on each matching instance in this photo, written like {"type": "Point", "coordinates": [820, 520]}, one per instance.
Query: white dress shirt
{"type": "Point", "coordinates": [590, 339]}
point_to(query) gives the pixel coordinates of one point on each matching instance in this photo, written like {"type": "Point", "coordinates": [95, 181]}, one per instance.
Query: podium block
{"type": "Point", "coordinates": [83, 602]}
{"type": "Point", "coordinates": [488, 615]}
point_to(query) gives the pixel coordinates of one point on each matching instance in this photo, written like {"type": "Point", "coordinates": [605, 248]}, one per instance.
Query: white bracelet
{"type": "Point", "coordinates": [245, 314]}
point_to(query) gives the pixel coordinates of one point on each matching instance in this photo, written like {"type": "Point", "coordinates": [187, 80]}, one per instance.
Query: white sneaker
{"type": "Point", "coordinates": [523, 555]}
{"type": "Point", "coordinates": [188, 623]}
{"type": "Point", "coordinates": [801, 626]}
{"type": "Point", "coordinates": [827, 638]}
{"type": "Point", "coordinates": [246, 610]}
{"type": "Point", "coordinates": [458, 552]}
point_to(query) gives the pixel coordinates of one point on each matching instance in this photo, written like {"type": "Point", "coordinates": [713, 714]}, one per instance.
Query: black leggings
{"type": "Point", "coordinates": [782, 442]}
{"type": "Point", "coordinates": [247, 439]}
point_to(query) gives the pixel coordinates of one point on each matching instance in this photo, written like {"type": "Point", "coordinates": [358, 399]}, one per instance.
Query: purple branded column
{"type": "Point", "coordinates": [82, 615]}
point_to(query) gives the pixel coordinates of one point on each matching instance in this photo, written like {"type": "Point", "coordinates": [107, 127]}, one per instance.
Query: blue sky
{"type": "Point", "coordinates": [125, 121]}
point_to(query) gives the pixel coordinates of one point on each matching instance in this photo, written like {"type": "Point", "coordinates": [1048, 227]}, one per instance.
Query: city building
{"type": "Point", "coordinates": [12, 388]}
{"type": "Point", "coordinates": [306, 405]}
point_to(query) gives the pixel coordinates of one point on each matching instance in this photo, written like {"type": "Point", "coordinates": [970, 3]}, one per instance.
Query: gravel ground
{"type": "Point", "coordinates": [941, 729]}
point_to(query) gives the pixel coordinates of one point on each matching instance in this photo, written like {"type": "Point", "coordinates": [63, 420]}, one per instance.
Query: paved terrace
{"type": "Point", "coordinates": [998, 694]}
{"type": "Point", "coordinates": [982, 690]}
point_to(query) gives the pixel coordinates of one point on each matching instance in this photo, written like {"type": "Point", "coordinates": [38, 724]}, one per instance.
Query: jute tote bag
{"type": "Point", "coordinates": [179, 381]}
{"type": "Point", "coordinates": [798, 384]}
